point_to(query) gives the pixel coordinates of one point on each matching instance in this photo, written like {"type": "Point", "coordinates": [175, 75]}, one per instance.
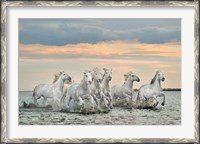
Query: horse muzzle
{"type": "Point", "coordinates": [163, 79]}
{"type": "Point", "coordinates": [110, 78]}
{"type": "Point", "coordinates": [69, 79]}
{"type": "Point", "coordinates": [138, 80]}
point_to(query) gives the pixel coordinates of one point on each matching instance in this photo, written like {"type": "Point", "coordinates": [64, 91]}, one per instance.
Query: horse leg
{"type": "Point", "coordinates": [130, 99]}
{"type": "Point", "coordinates": [163, 95]}
{"type": "Point", "coordinates": [140, 101]}
{"type": "Point", "coordinates": [110, 100]}
{"type": "Point", "coordinates": [35, 100]}
{"type": "Point", "coordinates": [69, 99]}
{"type": "Point", "coordinates": [113, 100]}
{"type": "Point", "coordinates": [34, 97]}
{"type": "Point", "coordinates": [137, 102]}
{"type": "Point", "coordinates": [81, 104]}
{"type": "Point", "coordinates": [62, 99]}
{"type": "Point", "coordinates": [105, 98]}
{"type": "Point", "coordinates": [95, 99]}
{"type": "Point", "coordinates": [44, 101]}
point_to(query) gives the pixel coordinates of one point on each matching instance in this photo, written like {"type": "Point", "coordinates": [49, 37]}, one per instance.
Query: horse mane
{"type": "Point", "coordinates": [103, 76]}
{"type": "Point", "coordinates": [154, 78]}
{"type": "Point", "coordinates": [56, 77]}
{"type": "Point", "coordinates": [127, 75]}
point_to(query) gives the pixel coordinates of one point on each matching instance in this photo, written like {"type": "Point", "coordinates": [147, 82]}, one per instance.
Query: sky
{"type": "Point", "coordinates": [143, 46]}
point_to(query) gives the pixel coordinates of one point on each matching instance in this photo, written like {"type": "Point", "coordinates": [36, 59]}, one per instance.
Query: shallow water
{"type": "Point", "coordinates": [170, 114]}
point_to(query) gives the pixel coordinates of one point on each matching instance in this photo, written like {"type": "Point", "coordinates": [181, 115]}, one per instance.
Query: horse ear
{"type": "Point", "coordinates": [157, 71]}
{"type": "Point", "coordinates": [61, 72]}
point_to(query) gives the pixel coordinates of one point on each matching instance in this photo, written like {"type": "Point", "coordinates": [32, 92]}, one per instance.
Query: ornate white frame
{"type": "Point", "coordinates": [6, 4]}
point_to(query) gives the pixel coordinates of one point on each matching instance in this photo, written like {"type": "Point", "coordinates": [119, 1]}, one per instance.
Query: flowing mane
{"type": "Point", "coordinates": [154, 78]}
{"type": "Point", "coordinates": [56, 76]}
{"type": "Point", "coordinates": [127, 75]}
{"type": "Point", "coordinates": [103, 76]}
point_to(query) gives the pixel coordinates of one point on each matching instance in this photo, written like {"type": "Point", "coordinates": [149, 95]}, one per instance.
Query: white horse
{"type": "Point", "coordinates": [50, 91]}
{"type": "Point", "coordinates": [105, 85]}
{"type": "Point", "coordinates": [148, 93]}
{"type": "Point", "coordinates": [97, 91]}
{"type": "Point", "coordinates": [66, 83]}
{"type": "Point", "coordinates": [123, 94]}
{"type": "Point", "coordinates": [74, 97]}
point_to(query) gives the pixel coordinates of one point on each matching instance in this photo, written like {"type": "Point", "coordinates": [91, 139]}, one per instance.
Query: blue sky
{"type": "Point", "coordinates": [72, 31]}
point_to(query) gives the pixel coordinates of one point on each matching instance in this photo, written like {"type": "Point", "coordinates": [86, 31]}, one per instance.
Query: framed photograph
{"type": "Point", "coordinates": [100, 71]}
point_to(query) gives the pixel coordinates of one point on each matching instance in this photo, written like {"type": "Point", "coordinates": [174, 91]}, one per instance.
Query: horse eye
{"type": "Point", "coordinates": [64, 74]}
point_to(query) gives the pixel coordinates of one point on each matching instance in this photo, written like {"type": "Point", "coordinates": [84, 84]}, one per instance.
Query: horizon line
{"type": "Point", "coordinates": [134, 89]}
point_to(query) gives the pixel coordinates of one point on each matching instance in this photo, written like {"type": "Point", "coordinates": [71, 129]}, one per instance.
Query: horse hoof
{"type": "Point", "coordinates": [162, 104]}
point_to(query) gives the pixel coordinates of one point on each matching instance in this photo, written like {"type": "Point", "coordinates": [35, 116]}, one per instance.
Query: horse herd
{"type": "Point", "coordinates": [94, 94]}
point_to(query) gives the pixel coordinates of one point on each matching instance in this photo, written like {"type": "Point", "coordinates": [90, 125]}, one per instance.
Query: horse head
{"type": "Point", "coordinates": [131, 76]}
{"type": "Point", "coordinates": [97, 75]}
{"type": "Point", "coordinates": [107, 74]}
{"type": "Point", "coordinates": [160, 75]}
{"type": "Point", "coordinates": [65, 77]}
{"type": "Point", "coordinates": [88, 76]}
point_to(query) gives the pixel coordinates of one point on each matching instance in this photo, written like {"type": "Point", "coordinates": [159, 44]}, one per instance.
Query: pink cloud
{"type": "Point", "coordinates": [104, 49]}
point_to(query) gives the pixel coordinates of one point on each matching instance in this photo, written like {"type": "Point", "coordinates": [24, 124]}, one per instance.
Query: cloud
{"type": "Point", "coordinates": [72, 31]}
{"type": "Point", "coordinates": [103, 50]}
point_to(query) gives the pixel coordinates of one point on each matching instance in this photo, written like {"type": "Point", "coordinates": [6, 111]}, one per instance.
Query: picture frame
{"type": "Point", "coordinates": [4, 60]}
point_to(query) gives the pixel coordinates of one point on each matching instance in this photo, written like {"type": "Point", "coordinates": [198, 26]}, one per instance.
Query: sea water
{"type": "Point", "coordinates": [170, 114]}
